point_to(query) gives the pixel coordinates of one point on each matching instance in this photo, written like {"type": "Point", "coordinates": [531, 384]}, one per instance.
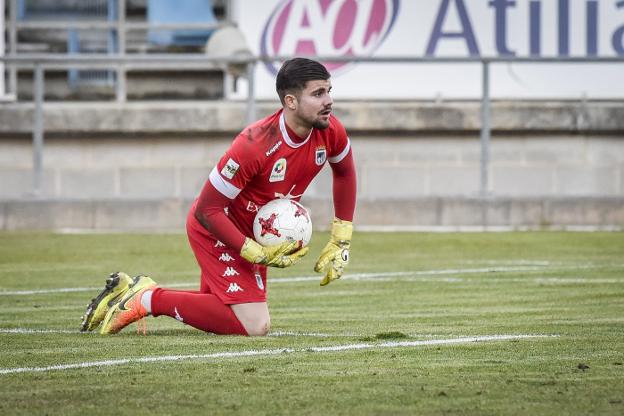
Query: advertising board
{"type": "Point", "coordinates": [443, 28]}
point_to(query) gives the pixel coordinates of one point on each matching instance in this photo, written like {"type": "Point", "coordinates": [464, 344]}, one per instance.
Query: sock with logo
{"type": "Point", "coordinates": [203, 311]}
{"type": "Point", "coordinates": [146, 301]}
{"type": "Point", "coordinates": [146, 298]}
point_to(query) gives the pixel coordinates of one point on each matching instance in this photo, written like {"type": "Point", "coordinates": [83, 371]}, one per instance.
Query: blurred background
{"type": "Point", "coordinates": [463, 114]}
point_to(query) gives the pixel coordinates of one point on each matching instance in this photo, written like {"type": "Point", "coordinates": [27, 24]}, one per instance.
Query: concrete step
{"type": "Point", "coordinates": [141, 85]}
{"type": "Point", "coordinates": [439, 214]}
{"type": "Point", "coordinates": [93, 41]}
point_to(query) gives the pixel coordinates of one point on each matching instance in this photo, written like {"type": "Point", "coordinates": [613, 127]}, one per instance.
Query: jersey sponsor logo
{"type": "Point", "coordinates": [320, 156]}
{"type": "Point", "coordinates": [229, 272]}
{"type": "Point", "coordinates": [289, 195]}
{"type": "Point", "coordinates": [259, 281]}
{"type": "Point", "coordinates": [274, 148]}
{"type": "Point", "coordinates": [278, 173]}
{"type": "Point", "coordinates": [226, 257]}
{"type": "Point", "coordinates": [327, 28]}
{"type": "Point", "coordinates": [234, 287]}
{"type": "Point", "coordinates": [230, 169]}
{"type": "Point", "coordinates": [252, 207]}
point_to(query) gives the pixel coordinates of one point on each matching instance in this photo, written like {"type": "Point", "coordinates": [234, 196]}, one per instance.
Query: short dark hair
{"type": "Point", "coordinates": [295, 73]}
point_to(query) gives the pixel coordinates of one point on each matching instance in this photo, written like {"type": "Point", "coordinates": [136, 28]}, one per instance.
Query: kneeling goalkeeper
{"type": "Point", "coordinates": [276, 157]}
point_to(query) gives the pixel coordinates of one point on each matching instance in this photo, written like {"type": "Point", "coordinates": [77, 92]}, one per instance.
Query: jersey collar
{"type": "Point", "coordinates": [286, 137]}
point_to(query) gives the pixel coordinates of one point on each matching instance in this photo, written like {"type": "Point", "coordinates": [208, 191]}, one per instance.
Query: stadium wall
{"type": "Point", "coordinates": [138, 166]}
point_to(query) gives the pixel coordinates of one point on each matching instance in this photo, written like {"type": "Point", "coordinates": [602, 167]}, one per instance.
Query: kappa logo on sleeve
{"type": "Point", "coordinates": [230, 169]}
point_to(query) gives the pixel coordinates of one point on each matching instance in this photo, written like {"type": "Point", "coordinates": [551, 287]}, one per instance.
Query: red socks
{"type": "Point", "coordinates": [203, 311]}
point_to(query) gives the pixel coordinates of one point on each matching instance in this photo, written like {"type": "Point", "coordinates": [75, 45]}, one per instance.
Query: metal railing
{"type": "Point", "coordinates": [122, 62]}
{"type": "Point", "coordinates": [120, 25]}
{"type": "Point", "coordinates": [39, 64]}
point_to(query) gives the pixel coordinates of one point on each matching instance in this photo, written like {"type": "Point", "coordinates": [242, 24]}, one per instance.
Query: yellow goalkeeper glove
{"type": "Point", "coordinates": [335, 256]}
{"type": "Point", "coordinates": [282, 255]}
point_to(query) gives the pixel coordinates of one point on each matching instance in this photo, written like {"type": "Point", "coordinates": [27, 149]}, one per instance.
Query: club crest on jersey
{"type": "Point", "coordinates": [321, 155]}
{"type": "Point", "coordinates": [230, 169]}
{"type": "Point", "coordinates": [278, 173]}
{"type": "Point", "coordinates": [259, 281]}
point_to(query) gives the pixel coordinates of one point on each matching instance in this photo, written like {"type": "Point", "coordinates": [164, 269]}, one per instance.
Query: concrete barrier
{"type": "Point", "coordinates": [169, 215]}
{"type": "Point", "coordinates": [137, 166]}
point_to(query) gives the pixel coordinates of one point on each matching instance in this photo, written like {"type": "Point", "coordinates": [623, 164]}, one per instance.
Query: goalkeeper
{"type": "Point", "coordinates": [276, 157]}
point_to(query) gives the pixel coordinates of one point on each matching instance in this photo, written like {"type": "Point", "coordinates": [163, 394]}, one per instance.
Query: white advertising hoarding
{"type": "Point", "coordinates": [443, 28]}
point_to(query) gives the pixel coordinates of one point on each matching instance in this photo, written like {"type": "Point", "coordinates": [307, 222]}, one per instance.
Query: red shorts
{"type": "Point", "coordinates": [224, 272]}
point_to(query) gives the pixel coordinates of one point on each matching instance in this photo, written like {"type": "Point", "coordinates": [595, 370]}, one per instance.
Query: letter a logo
{"type": "Point", "coordinates": [321, 27]}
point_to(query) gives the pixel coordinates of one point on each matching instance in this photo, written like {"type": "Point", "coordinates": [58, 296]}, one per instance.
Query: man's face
{"type": "Point", "coordinates": [314, 104]}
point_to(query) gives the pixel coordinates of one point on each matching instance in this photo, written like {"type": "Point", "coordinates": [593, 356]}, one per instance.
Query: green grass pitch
{"type": "Point", "coordinates": [384, 340]}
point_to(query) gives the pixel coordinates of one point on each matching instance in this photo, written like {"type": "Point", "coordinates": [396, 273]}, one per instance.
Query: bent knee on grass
{"type": "Point", "coordinates": [258, 328]}
{"type": "Point", "coordinates": [254, 317]}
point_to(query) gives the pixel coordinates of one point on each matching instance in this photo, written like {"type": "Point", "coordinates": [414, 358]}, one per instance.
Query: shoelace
{"type": "Point", "coordinates": [141, 326]}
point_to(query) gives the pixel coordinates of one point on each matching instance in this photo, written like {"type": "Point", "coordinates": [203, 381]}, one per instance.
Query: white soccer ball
{"type": "Point", "coordinates": [281, 220]}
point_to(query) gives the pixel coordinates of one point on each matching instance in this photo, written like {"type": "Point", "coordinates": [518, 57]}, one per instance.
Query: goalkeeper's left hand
{"type": "Point", "coordinates": [283, 255]}
{"type": "Point", "coordinates": [335, 256]}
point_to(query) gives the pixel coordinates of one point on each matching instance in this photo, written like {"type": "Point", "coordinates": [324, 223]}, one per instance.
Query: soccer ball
{"type": "Point", "coordinates": [282, 220]}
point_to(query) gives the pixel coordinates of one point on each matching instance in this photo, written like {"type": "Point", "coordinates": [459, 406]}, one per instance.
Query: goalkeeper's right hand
{"type": "Point", "coordinates": [282, 255]}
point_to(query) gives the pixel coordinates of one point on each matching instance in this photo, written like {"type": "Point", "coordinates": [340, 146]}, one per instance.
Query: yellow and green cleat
{"type": "Point", "coordinates": [117, 285]}
{"type": "Point", "coordinates": [129, 308]}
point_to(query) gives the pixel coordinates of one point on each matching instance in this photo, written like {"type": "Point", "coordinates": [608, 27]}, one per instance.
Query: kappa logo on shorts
{"type": "Point", "coordinates": [219, 244]}
{"type": "Point", "coordinates": [230, 169]}
{"type": "Point", "coordinates": [226, 257]}
{"type": "Point", "coordinates": [229, 272]}
{"type": "Point", "coordinates": [234, 287]}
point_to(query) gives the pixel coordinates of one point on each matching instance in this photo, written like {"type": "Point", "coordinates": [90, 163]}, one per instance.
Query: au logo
{"type": "Point", "coordinates": [330, 28]}
{"type": "Point", "coordinates": [278, 173]}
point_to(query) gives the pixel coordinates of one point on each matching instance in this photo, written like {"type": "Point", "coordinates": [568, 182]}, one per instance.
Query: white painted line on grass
{"type": "Point", "coordinates": [355, 276]}
{"type": "Point", "coordinates": [67, 331]}
{"type": "Point", "coordinates": [45, 291]}
{"type": "Point", "coordinates": [304, 334]}
{"type": "Point", "coordinates": [381, 276]}
{"type": "Point", "coordinates": [236, 354]}
{"type": "Point", "coordinates": [406, 228]}
{"type": "Point", "coordinates": [36, 331]}
{"type": "Point", "coordinates": [420, 275]}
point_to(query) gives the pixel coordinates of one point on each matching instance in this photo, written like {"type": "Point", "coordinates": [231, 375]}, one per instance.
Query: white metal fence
{"type": "Point", "coordinates": [40, 63]}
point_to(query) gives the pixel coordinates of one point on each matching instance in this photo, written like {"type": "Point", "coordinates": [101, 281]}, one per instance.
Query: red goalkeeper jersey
{"type": "Point", "coordinates": [264, 163]}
